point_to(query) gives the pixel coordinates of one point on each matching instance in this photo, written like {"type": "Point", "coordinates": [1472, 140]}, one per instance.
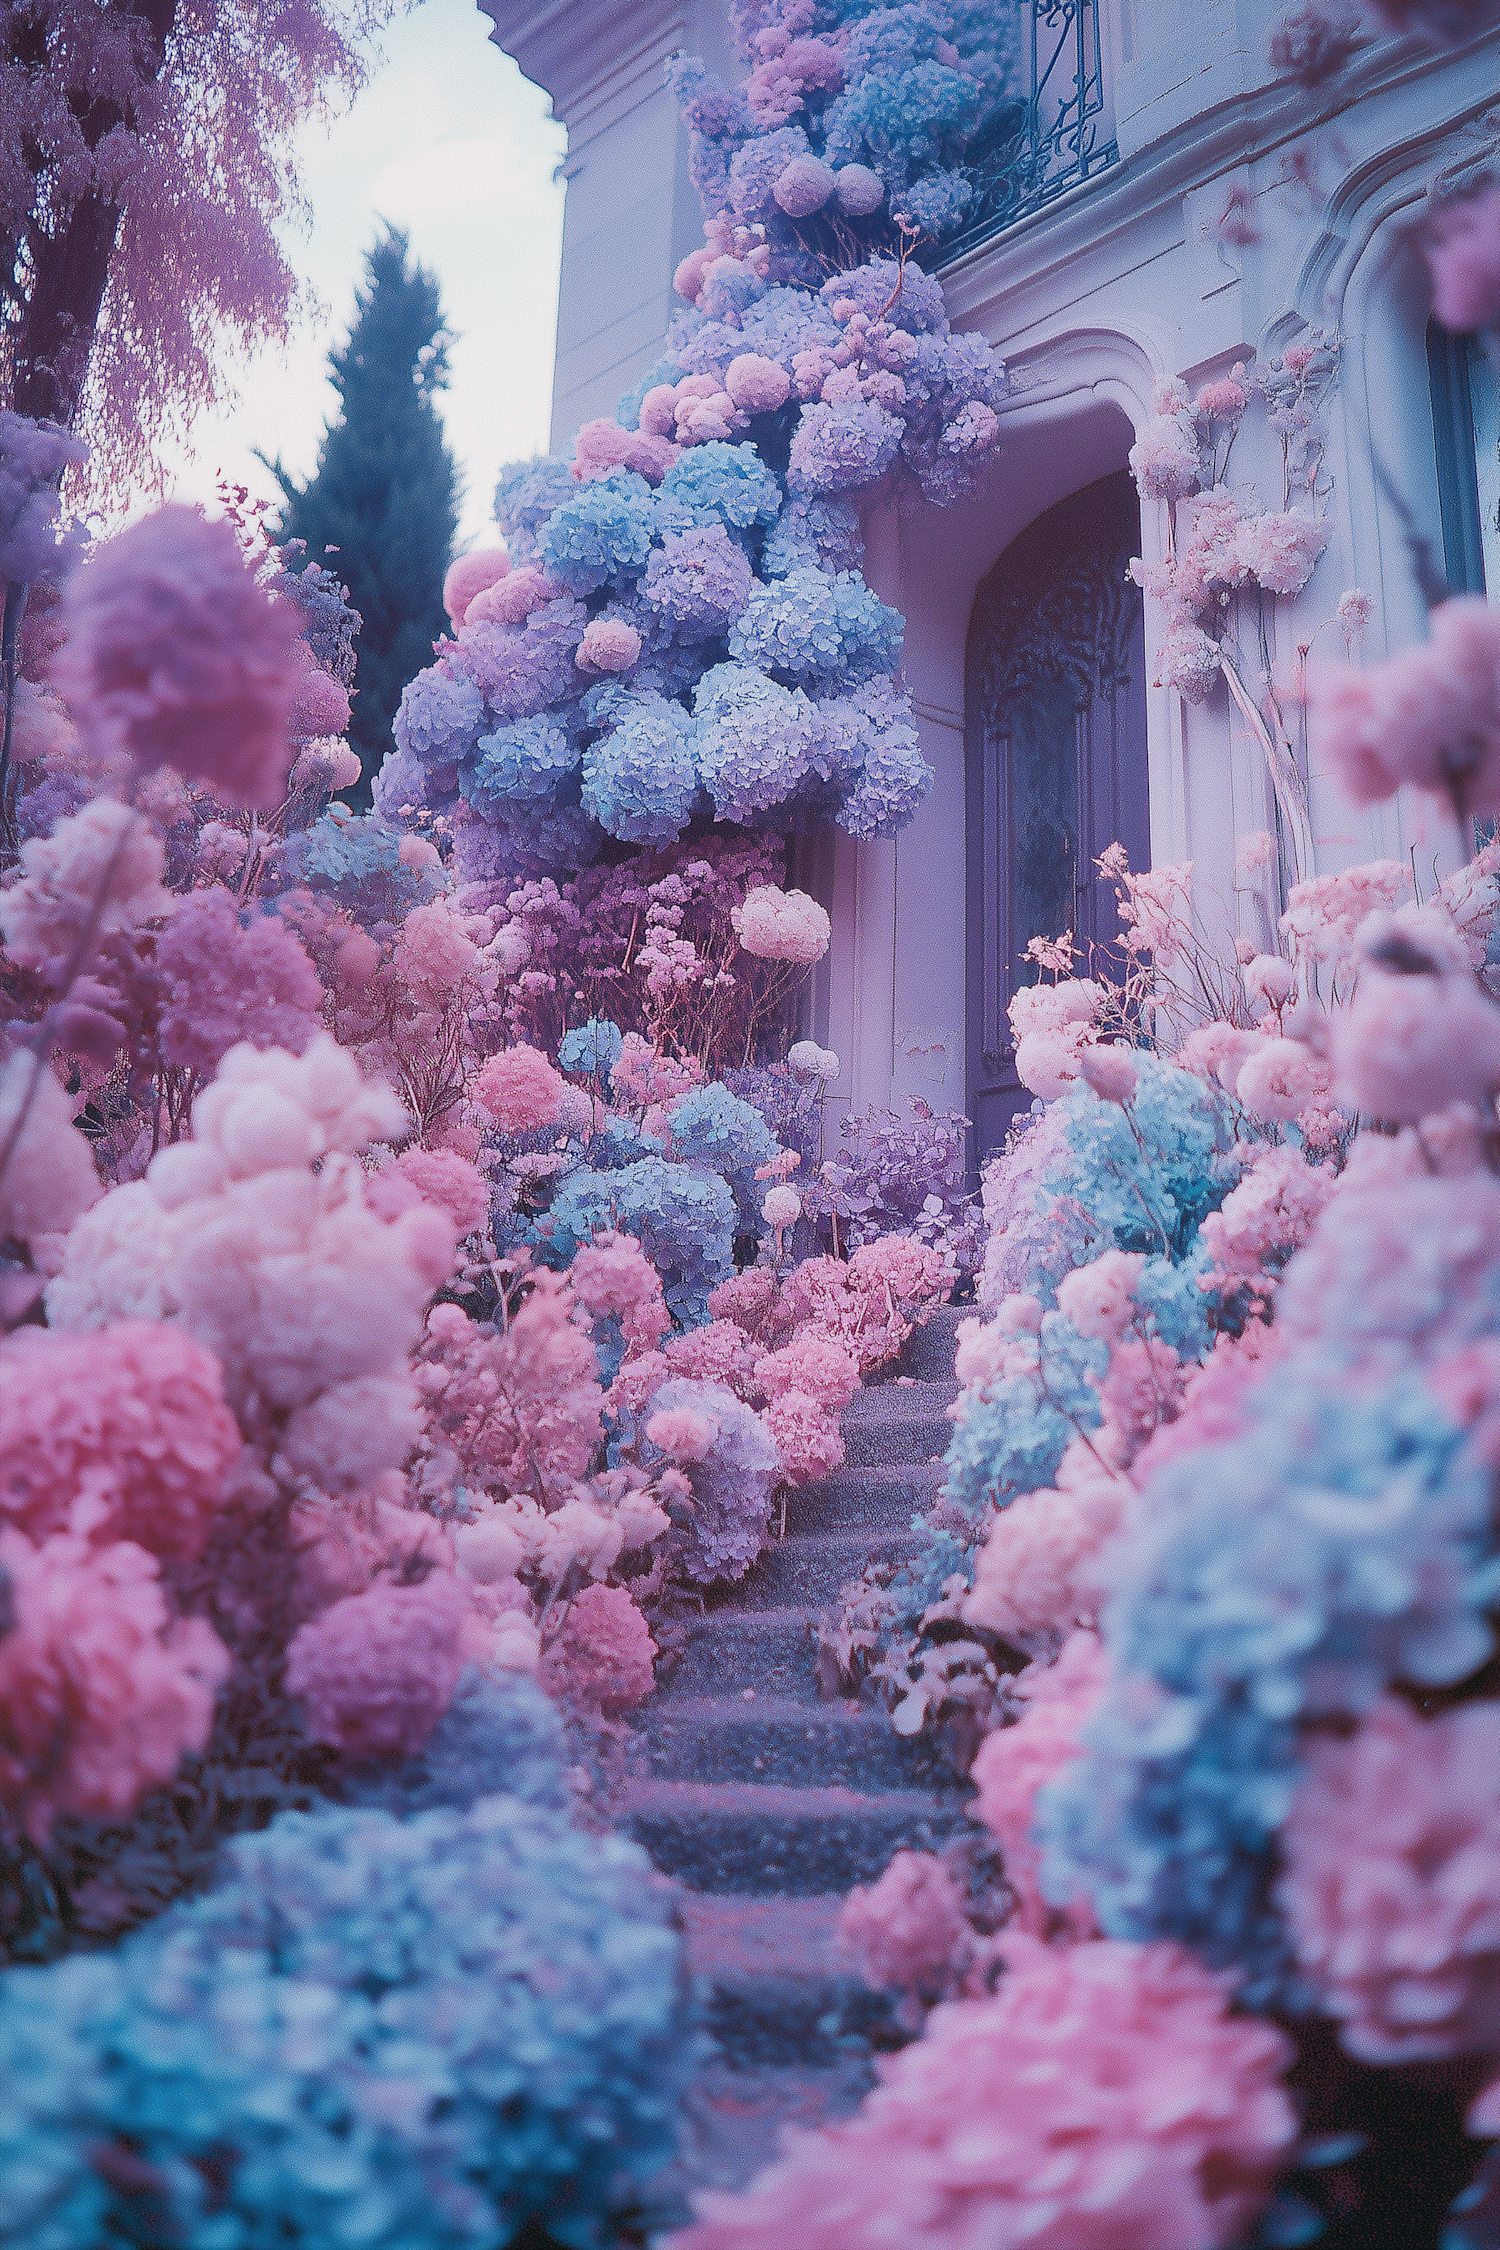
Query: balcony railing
{"type": "Point", "coordinates": [1053, 136]}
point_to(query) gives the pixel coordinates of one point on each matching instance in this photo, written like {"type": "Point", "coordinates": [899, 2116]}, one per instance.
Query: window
{"type": "Point", "coordinates": [1466, 426]}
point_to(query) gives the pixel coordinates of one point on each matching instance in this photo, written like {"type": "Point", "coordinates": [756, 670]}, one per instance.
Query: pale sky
{"type": "Point", "coordinates": [451, 143]}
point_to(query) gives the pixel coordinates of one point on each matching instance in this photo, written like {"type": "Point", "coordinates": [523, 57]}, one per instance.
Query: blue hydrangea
{"type": "Point", "coordinates": [1013, 1439]}
{"type": "Point", "coordinates": [711, 1126]}
{"type": "Point", "coordinates": [884, 290]}
{"type": "Point", "coordinates": [725, 484]}
{"type": "Point", "coordinates": [357, 864]}
{"type": "Point", "coordinates": [1342, 1541]}
{"type": "Point", "coordinates": [593, 1048]}
{"type": "Point", "coordinates": [525, 497]}
{"type": "Point", "coordinates": [1150, 1189]}
{"type": "Point", "coordinates": [757, 167]}
{"type": "Point", "coordinates": [640, 781]}
{"type": "Point", "coordinates": [404, 784]}
{"type": "Point", "coordinates": [698, 580]}
{"type": "Point", "coordinates": [905, 120]}
{"type": "Point", "coordinates": [808, 623]}
{"type": "Point", "coordinates": [402, 2035]}
{"type": "Point", "coordinates": [894, 779]}
{"type": "Point", "coordinates": [813, 534]}
{"type": "Point", "coordinates": [516, 843]}
{"type": "Point", "coordinates": [520, 764]}
{"type": "Point", "coordinates": [440, 716]}
{"type": "Point", "coordinates": [500, 1736]}
{"type": "Point", "coordinates": [935, 205]}
{"type": "Point", "coordinates": [602, 532]}
{"type": "Point", "coordinates": [756, 741]}
{"type": "Point", "coordinates": [681, 1214]}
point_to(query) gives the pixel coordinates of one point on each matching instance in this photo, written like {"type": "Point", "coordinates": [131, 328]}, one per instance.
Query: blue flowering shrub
{"type": "Point", "coordinates": [418, 2034]}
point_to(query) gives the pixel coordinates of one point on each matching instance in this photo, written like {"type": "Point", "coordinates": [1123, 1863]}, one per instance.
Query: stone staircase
{"type": "Point", "coordinates": [768, 1803]}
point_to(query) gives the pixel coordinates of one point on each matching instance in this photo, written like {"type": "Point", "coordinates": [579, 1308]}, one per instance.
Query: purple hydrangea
{"type": "Point", "coordinates": [841, 448]}
{"type": "Point", "coordinates": [440, 717]}
{"type": "Point", "coordinates": [698, 580]}
{"type": "Point", "coordinates": [520, 764]}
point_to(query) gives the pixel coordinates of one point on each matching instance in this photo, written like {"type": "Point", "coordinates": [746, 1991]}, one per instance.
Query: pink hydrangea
{"type": "Point", "coordinates": [1015, 1761]}
{"type": "Point", "coordinates": [377, 1670]}
{"type": "Point", "coordinates": [222, 982]}
{"type": "Point", "coordinates": [908, 1930]}
{"type": "Point", "coordinates": [814, 1363]}
{"type": "Point", "coordinates": [756, 384]}
{"type": "Point", "coordinates": [1429, 715]}
{"type": "Point", "coordinates": [1221, 401]}
{"type": "Point", "coordinates": [1279, 1079]}
{"type": "Point", "coordinates": [1105, 2097]}
{"type": "Point", "coordinates": [178, 657]}
{"type": "Point", "coordinates": [716, 1353]}
{"type": "Point", "coordinates": [1324, 911]}
{"type": "Point", "coordinates": [1463, 251]}
{"type": "Point", "coordinates": [49, 1179]}
{"type": "Point", "coordinates": [102, 1689]}
{"type": "Point", "coordinates": [1099, 1299]}
{"type": "Point", "coordinates": [1188, 662]}
{"type": "Point", "coordinates": [613, 1276]}
{"type": "Point", "coordinates": [1071, 1003]}
{"type": "Point", "coordinates": [1110, 1072]}
{"type": "Point", "coordinates": [432, 1175]}
{"type": "Point", "coordinates": [1269, 1215]}
{"type": "Point", "coordinates": [1165, 458]}
{"type": "Point", "coordinates": [602, 445]}
{"type": "Point", "coordinates": [102, 866]}
{"type": "Point", "coordinates": [321, 705]}
{"type": "Point", "coordinates": [1269, 982]}
{"type": "Point", "coordinates": [779, 925]}
{"type": "Point", "coordinates": [469, 575]}
{"type": "Point", "coordinates": [1410, 1045]}
{"type": "Point", "coordinates": [1391, 1881]}
{"type": "Point", "coordinates": [1213, 1403]}
{"type": "Point", "coordinates": [782, 1208]}
{"type": "Point", "coordinates": [520, 1089]}
{"type": "Point", "coordinates": [435, 953]}
{"type": "Point", "coordinates": [806, 1436]}
{"type": "Point", "coordinates": [603, 1657]}
{"type": "Point", "coordinates": [1050, 1063]}
{"type": "Point", "coordinates": [120, 1435]}
{"type": "Point", "coordinates": [1037, 1573]}
{"type": "Point", "coordinates": [1280, 551]}
{"type": "Point", "coordinates": [608, 645]}
{"type": "Point", "coordinates": [911, 1271]}
{"type": "Point", "coordinates": [683, 1433]}
{"type": "Point", "coordinates": [511, 600]}
{"type": "Point", "coordinates": [1139, 1392]}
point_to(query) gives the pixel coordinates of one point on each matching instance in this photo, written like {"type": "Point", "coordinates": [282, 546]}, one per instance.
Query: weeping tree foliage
{"type": "Point", "coordinates": [382, 505]}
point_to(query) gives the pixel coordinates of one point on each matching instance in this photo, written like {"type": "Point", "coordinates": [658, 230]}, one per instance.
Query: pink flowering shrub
{"type": "Point", "coordinates": [1016, 1761]}
{"type": "Point", "coordinates": [519, 1089]}
{"type": "Point", "coordinates": [1463, 251]}
{"type": "Point", "coordinates": [602, 1657]}
{"type": "Point", "coordinates": [1429, 716]}
{"type": "Point", "coordinates": [908, 1930]}
{"type": "Point", "coordinates": [176, 656]}
{"type": "Point", "coordinates": [102, 1688]}
{"type": "Point", "coordinates": [1038, 1573]}
{"type": "Point", "coordinates": [378, 1670]}
{"type": "Point", "coordinates": [119, 1435]}
{"type": "Point", "coordinates": [1391, 1881]}
{"type": "Point", "coordinates": [1104, 2097]}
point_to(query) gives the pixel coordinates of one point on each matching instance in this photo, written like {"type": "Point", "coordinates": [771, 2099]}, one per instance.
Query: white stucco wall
{"type": "Point", "coordinates": [1090, 302]}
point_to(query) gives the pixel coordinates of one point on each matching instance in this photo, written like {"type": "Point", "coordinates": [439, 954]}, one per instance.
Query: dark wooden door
{"type": "Point", "coordinates": [1055, 762]}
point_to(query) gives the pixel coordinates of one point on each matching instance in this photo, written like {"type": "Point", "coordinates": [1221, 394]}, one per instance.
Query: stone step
{"type": "Point", "coordinates": [813, 1568]}
{"type": "Point", "coordinates": [881, 1427]}
{"type": "Point", "coordinates": [760, 1738]}
{"type": "Point", "coordinates": [885, 1495]}
{"type": "Point", "coordinates": [929, 1349]}
{"type": "Point", "coordinates": [767, 1650]}
{"type": "Point", "coordinates": [906, 1395]}
{"type": "Point", "coordinates": [774, 1984]}
{"type": "Point", "coordinates": [734, 2117]}
{"type": "Point", "coordinates": [768, 1837]}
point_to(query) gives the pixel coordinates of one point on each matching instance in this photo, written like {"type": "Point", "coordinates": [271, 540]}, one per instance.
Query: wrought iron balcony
{"type": "Point", "coordinates": [1053, 136]}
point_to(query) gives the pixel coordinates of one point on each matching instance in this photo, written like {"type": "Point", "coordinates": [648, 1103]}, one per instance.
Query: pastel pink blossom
{"type": "Point", "coordinates": [1104, 2099]}
{"type": "Point", "coordinates": [1410, 1045]}
{"type": "Point", "coordinates": [1054, 1007]}
{"type": "Point", "coordinates": [1279, 1080]}
{"type": "Point", "coordinates": [1165, 458]}
{"type": "Point", "coordinates": [1099, 1299]}
{"type": "Point", "coordinates": [1280, 551]}
{"type": "Point", "coordinates": [910, 1269]}
{"type": "Point", "coordinates": [908, 1929]}
{"type": "Point", "coordinates": [519, 1088]}
{"type": "Point", "coordinates": [1015, 1761]}
{"type": "Point", "coordinates": [377, 1670]}
{"type": "Point", "coordinates": [1110, 1072]}
{"type": "Point", "coordinates": [1253, 851]}
{"type": "Point", "coordinates": [603, 1657]}
{"type": "Point", "coordinates": [1188, 662]}
{"type": "Point", "coordinates": [1324, 911]}
{"type": "Point", "coordinates": [806, 1436]}
{"type": "Point", "coordinates": [602, 445]}
{"type": "Point", "coordinates": [756, 384]}
{"type": "Point", "coordinates": [432, 1175]}
{"type": "Point", "coordinates": [1354, 611]}
{"type": "Point", "coordinates": [683, 1432]}
{"type": "Point", "coordinates": [817, 1364]}
{"type": "Point", "coordinates": [120, 1435]}
{"type": "Point", "coordinates": [1269, 981]}
{"type": "Point", "coordinates": [469, 575]}
{"type": "Point", "coordinates": [780, 925]}
{"type": "Point", "coordinates": [1463, 251]}
{"type": "Point", "coordinates": [102, 866]}
{"type": "Point", "coordinates": [608, 645]}
{"type": "Point", "coordinates": [782, 1208]}
{"type": "Point", "coordinates": [717, 1353]}
{"type": "Point", "coordinates": [1214, 1399]}
{"type": "Point", "coordinates": [1269, 1215]}
{"type": "Point", "coordinates": [176, 656]}
{"type": "Point", "coordinates": [1429, 715]}
{"type": "Point", "coordinates": [804, 187]}
{"type": "Point", "coordinates": [1156, 911]}
{"type": "Point", "coordinates": [1139, 1392]}
{"type": "Point", "coordinates": [1391, 1881]}
{"type": "Point", "coordinates": [49, 1180]}
{"type": "Point", "coordinates": [1050, 1063]}
{"type": "Point", "coordinates": [102, 1688]}
{"type": "Point", "coordinates": [321, 705]}
{"type": "Point", "coordinates": [510, 600]}
{"type": "Point", "coordinates": [1037, 1572]}
{"type": "Point", "coordinates": [613, 1276]}
{"type": "Point", "coordinates": [1220, 401]}
{"type": "Point", "coordinates": [1216, 1051]}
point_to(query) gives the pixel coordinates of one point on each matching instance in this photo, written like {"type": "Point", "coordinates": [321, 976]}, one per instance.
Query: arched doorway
{"type": "Point", "coordinates": [1055, 761]}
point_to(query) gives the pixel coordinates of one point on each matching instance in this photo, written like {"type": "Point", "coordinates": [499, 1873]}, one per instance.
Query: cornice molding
{"type": "Point", "coordinates": [582, 55]}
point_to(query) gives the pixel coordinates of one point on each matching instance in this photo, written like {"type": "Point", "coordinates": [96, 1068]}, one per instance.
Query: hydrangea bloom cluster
{"type": "Point", "coordinates": [287, 2053]}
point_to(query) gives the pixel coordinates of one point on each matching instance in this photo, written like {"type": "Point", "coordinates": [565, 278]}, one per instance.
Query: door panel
{"type": "Point", "coordinates": [1056, 762]}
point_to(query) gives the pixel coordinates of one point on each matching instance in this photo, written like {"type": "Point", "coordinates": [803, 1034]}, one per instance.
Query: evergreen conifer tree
{"type": "Point", "coordinates": [382, 505]}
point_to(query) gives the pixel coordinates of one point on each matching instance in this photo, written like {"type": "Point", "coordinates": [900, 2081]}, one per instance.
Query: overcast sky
{"type": "Point", "coordinates": [449, 142]}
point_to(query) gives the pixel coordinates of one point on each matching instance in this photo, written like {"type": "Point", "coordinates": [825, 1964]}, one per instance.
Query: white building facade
{"type": "Point", "coordinates": [1124, 274]}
